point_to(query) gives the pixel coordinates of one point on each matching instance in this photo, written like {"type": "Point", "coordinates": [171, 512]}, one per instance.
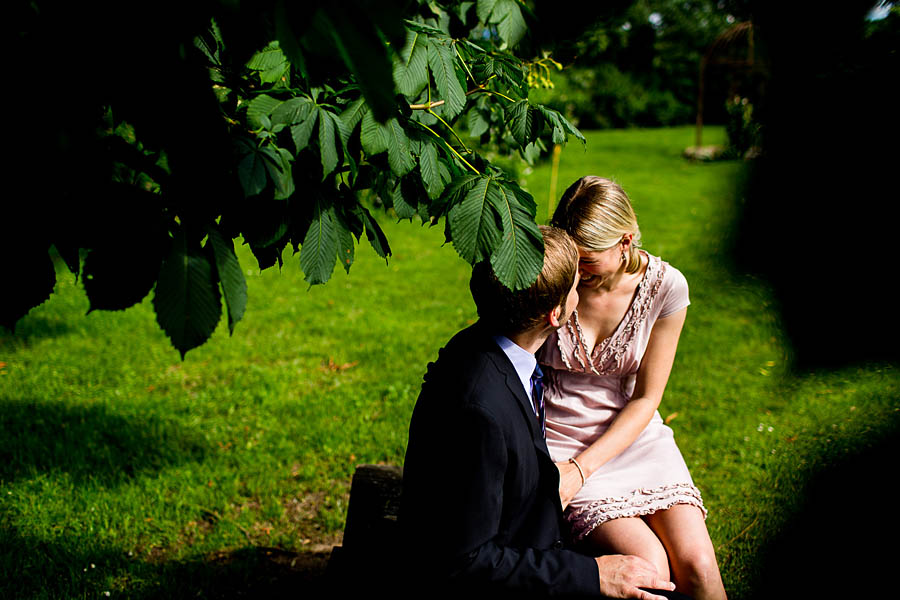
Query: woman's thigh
{"type": "Point", "coordinates": [628, 535]}
{"type": "Point", "coordinates": [682, 530]}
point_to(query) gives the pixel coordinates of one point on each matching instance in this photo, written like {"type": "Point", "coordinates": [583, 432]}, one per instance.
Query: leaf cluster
{"type": "Point", "coordinates": [274, 124]}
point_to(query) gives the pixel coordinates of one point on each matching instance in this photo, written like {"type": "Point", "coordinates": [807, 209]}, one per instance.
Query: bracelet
{"type": "Point", "coordinates": [580, 472]}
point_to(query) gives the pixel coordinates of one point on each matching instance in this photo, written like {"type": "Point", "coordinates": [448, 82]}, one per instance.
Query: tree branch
{"type": "Point", "coordinates": [427, 105]}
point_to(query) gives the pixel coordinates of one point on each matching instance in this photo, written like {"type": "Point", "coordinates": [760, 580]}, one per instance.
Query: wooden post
{"type": "Point", "coordinates": [699, 136]}
{"type": "Point", "coordinates": [554, 175]}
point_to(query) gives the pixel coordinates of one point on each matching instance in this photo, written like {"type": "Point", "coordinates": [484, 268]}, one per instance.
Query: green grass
{"type": "Point", "coordinates": [125, 470]}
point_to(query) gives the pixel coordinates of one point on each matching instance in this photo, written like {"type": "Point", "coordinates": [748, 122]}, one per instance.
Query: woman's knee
{"type": "Point", "coordinates": [699, 567]}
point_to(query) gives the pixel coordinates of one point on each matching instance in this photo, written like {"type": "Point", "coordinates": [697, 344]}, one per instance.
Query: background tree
{"type": "Point", "coordinates": [152, 135]}
{"type": "Point", "coordinates": [639, 65]}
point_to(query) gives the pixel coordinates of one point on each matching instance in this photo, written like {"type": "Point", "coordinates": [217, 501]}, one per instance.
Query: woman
{"type": "Point", "coordinates": [623, 482]}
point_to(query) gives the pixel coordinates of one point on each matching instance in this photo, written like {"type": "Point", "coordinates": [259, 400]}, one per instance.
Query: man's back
{"type": "Point", "coordinates": [481, 505]}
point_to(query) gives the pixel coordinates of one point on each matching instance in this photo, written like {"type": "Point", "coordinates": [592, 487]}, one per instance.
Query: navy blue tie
{"type": "Point", "coordinates": [537, 397]}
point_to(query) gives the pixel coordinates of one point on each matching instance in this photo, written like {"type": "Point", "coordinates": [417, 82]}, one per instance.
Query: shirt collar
{"type": "Point", "coordinates": [522, 360]}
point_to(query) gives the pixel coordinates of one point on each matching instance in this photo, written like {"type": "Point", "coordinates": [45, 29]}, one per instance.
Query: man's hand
{"type": "Point", "coordinates": [621, 576]}
{"type": "Point", "coordinates": [569, 482]}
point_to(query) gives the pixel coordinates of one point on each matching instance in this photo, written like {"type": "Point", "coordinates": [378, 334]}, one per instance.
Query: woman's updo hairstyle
{"type": "Point", "coordinates": [596, 213]}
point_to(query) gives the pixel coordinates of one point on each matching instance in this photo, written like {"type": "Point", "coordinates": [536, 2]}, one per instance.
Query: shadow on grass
{"type": "Point", "coordinates": [74, 569]}
{"type": "Point", "coordinates": [88, 442]}
{"type": "Point", "coordinates": [842, 539]}
{"type": "Point", "coordinates": [33, 327]}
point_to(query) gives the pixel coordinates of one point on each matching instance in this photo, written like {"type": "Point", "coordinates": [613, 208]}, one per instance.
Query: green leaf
{"type": "Point", "coordinates": [484, 8]}
{"type": "Point", "coordinates": [186, 300]}
{"type": "Point", "coordinates": [343, 132]}
{"type": "Point", "coordinates": [260, 107]}
{"type": "Point", "coordinates": [270, 63]}
{"type": "Point", "coordinates": [327, 145]}
{"type": "Point", "coordinates": [559, 135]}
{"type": "Point", "coordinates": [411, 66]}
{"type": "Point", "coordinates": [519, 258]}
{"type": "Point", "coordinates": [476, 123]}
{"type": "Point", "coordinates": [70, 255]}
{"type": "Point", "coordinates": [430, 171]}
{"type": "Point", "coordinates": [473, 222]}
{"type": "Point", "coordinates": [252, 173]}
{"type": "Point", "coordinates": [319, 251]}
{"type": "Point", "coordinates": [374, 233]}
{"type": "Point", "coordinates": [231, 276]}
{"type": "Point", "coordinates": [525, 199]}
{"type": "Point", "coordinates": [346, 245]}
{"type": "Point", "coordinates": [510, 24]}
{"type": "Point", "coordinates": [572, 129]}
{"type": "Point", "coordinates": [293, 111]}
{"type": "Point", "coordinates": [404, 208]}
{"type": "Point", "coordinates": [505, 68]}
{"type": "Point", "coordinates": [303, 131]}
{"type": "Point", "coordinates": [353, 114]}
{"type": "Point", "coordinates": [442, 62]}
{"type": "Point", "coordinates": [561, 126]}
{"type": "Point", "coordinates": [278, 163]}
{"type": "Point", "coordinates": [424, 212]}
{"type": "Point", "coordinates": [399, 156]}
{"type": "Point", "coordinates": [458, 188]}
{"type": "Point", "coordinates": [269, 57]}
{"type": "Point", "coordinates": [424, 29]}
{"type": "Point", "coordinates": [532, 152]}
{"type": "Point", "coordinates": [525, 122]}
{"type": "Point", "coordinates": [373, 135]}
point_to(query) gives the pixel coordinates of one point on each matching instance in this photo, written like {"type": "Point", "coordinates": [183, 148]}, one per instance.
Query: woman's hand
{"type": "Point", "coordinates": [569, 482]}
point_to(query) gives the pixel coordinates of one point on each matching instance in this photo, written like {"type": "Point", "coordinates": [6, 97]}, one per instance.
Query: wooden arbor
{"type": "Point", "coordinates": [733, 52]}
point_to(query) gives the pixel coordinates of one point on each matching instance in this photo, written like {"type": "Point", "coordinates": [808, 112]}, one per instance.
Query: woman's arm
{"type": "Point", "coordinates": [652, 376]}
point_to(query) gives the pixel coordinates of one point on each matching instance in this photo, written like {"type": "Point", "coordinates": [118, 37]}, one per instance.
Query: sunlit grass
{"type": "Point", "coordinates": [124, 469]}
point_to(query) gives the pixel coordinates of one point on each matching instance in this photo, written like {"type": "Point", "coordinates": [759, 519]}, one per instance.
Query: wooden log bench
{"type": "Point", "coordinates": [371, 532]}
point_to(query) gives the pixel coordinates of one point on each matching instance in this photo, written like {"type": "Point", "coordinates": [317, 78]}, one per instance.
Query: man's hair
{"type": "Point", "coordinates": [511, 312]}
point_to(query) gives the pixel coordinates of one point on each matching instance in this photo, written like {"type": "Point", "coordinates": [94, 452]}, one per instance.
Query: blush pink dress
{"type": "Point", "coordinates": [585, 391]}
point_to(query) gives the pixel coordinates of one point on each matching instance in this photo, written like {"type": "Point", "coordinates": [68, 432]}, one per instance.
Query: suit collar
{"type": "Point", "coordinates": [514, 384]}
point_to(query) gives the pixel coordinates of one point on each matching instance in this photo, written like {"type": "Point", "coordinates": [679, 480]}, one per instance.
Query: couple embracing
{"type": "Point", "coordinates": [537, 463]}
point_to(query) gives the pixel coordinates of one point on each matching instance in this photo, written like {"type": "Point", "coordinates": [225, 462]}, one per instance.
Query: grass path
{"type": "Point", "coordinates": [125, 470]}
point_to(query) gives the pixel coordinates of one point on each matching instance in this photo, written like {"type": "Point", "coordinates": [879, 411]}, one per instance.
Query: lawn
{"type": "Point", "coordinates": [125, 472]}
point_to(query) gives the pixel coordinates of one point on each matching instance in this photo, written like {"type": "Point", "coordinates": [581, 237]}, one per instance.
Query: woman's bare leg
{"type": "Point", "coordinates": [628, 535]}
{"type": "Point", "coordinates": [682, 531]}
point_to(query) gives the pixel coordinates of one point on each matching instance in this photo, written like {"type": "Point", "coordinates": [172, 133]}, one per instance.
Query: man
{"type": "Point", "coordinates": [480, 510]}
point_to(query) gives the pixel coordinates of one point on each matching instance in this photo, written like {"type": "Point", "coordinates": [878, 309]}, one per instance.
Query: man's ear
{"type": "Point", "coordinates": [553, 317]}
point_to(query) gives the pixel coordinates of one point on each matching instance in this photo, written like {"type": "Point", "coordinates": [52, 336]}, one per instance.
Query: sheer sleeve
{"type": "Point", "coordinates": [674, 293]}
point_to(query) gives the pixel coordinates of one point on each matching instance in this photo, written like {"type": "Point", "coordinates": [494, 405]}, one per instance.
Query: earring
{"type": "Point", "coordinates": [623, 257]}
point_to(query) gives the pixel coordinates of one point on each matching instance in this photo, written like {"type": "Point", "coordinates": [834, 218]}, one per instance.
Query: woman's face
{"type": "Point", "coordinates": [595, 267]}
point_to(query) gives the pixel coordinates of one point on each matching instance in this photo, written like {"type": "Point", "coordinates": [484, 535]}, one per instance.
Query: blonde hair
{"type": "Point", "coordinates": [597, 213]}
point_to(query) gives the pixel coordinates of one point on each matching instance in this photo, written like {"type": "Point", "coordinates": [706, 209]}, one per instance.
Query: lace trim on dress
{"type": "Point", "coordinates": [562, 353]}
{"type": "Point", "coordinates": [607, 355]}
{"type": "Point", "coordinates": [641, 502]}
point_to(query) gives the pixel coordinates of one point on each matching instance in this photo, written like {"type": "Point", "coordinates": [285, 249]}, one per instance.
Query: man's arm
{"type": "Point", "coordinates": [478, 480]}
{"type": "Point", "coordinates": [549, 570]}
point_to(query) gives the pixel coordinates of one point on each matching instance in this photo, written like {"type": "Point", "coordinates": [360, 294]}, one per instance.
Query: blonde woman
{"type": "Point", "coordinates": [623, 482]}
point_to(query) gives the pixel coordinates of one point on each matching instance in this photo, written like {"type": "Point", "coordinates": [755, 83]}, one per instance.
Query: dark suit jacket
{"type": "Point", "coordinates": [480, 508]}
